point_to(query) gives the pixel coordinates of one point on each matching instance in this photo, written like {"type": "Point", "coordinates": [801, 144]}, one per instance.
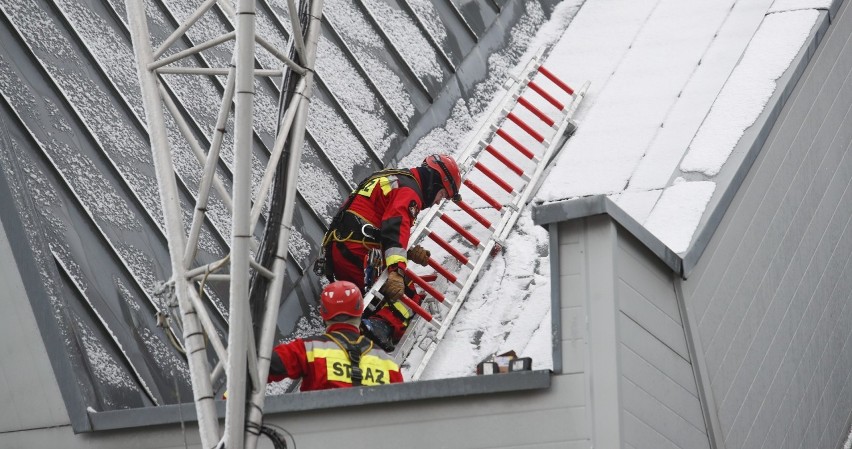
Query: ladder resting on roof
{"type": "Point", "coordinates": [519, 138]}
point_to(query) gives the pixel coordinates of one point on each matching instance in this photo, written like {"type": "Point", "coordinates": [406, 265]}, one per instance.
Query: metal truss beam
{"type": "Point", "coordinates": [244, 360]}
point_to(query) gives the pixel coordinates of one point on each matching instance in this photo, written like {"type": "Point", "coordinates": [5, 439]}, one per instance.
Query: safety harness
{"type": "Point", "coordinates": [348, 226]}
{"type": "Point", "coordinates": [354, 350]}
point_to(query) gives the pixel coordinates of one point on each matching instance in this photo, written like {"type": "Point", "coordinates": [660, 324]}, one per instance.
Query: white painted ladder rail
{"type": "Point", "coordinates": [509, 213]}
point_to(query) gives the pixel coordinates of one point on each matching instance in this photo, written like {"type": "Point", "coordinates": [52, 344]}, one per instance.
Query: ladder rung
{"type": "Point", "coordinates": [488, 199]}
{"type": "Point", "coordinates": [545, 95]}
{"type": "Point", "coordinates": [458, 228]}
{"type": "Point", "coordinates": [499, 181]}
{"type": "Point", "coordinates": [536, 111]}
{"type": "Point", "coordinates": [518, 146]}
{"type": "Point", "coordinates": [524, 126]}
{"type": "Point", "coordinates": [556, 80]}
{"type": "Point", "coordinates": [424, 285]}
{"type": "Point", "coordinates": [509, 164]}
{"type": "Point", "coordinates": [442, 271]}
{"type": "Point", "coordinates": [416, 307]}
{"type": "Point", "coordinates": [473, 213]}
{"type": "Point", "coordinates": [453, 252]}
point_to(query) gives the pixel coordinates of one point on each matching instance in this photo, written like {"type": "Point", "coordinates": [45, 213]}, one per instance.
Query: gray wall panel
{"type": "Point", "coordinates": [642, 310]}
{"type": "Point", "coordinates": [659, 385]}
{"type": "Point", "coordinates": [652, 278]}
{"type": "Point", "coordinates": [668, 422]}
{"type": "Point", "coordinates": [641, 436]}
{"type": "Point", "coordinates": [573, 293]}
{"type": "Point", "coordinates": [28, 391]}
{"type": "Point", "coordinates": [772, 324]}
{"type": "Point", "coordinates": [657, 354]}
{"type": "Point", "coordinates": [731, 258]}
{"type": "Point", "coordinates": [637, 360]}
{"type": "Point", "coordinates": [770, 291]}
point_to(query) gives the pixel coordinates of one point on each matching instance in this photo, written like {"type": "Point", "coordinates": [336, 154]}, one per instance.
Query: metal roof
{"type": "Point", "coordinates": [76, 159]}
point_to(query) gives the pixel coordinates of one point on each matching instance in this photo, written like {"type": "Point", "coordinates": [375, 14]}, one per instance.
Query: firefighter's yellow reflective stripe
{"type": "Point", "coordinates": [395, 255]}
{"type": "Point", "coordinates": [403, 309]}
{"type": "Point", "coordinates": [379, 363]}
{"type": "Point", "coordinates": [321, 348]}
{"type": "Point", "coordinates": [367, 190]}
{"type": "Point", "coordinates": [388, 184]}
{"type": "Point", "coordinates": [374, 370]}
{"type": "Point", "coordinates": [390, 260]}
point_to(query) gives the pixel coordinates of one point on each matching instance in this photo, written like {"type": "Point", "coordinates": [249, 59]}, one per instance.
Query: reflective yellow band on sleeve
{"type": "Point", "coordinates": [395, 255]}
{"type": "Point", "coordinates": [388, 184]}
{"type": "Point", "coordinates": [395, 259]}
{"type": "Point", "coordinates": [402, 309]}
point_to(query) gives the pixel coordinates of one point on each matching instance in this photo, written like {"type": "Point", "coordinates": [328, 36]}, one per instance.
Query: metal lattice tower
{"type": "Point", "coordinates": [239, 359]}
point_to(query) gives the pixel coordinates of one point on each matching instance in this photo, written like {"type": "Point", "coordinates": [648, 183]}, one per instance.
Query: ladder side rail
{"type": "Point", "coordinates": [496, 115]}
{"type": "Point", "coordinates": [507, 222]}
{"type": "Point", "coordinates": [512, 88]}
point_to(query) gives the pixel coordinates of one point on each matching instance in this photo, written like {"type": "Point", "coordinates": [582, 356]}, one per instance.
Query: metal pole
{"type": "Point", "coordinates": [240, 232]}
{"type": "Point", "coordinates": [277, 149]}
{"type": "Point", "coordinates": [208, 425]}
{"type": "Point", "coordinates": [273, 294]}
{"type": "Point", "coordinates": [209, 171]}
{"type": "Point", "coordinates": [178, 33]}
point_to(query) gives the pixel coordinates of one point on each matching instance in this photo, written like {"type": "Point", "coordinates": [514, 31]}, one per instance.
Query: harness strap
{"type": "Point", "coordinates": [354, 350]}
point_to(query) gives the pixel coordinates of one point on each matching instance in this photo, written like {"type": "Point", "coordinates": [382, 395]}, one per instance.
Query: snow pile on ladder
{"type": "Point", "coordinates": [501, 170]}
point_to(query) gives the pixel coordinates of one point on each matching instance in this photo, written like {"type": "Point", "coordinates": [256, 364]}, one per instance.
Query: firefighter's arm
{"type": "Point", "coordinates": [403, 207]}
{"type": "Point", "coordinates": [288, 360]}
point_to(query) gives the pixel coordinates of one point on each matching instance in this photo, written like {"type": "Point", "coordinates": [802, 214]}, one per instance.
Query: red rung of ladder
{"type": "Point", "coordinates": [509, 164]}
{"type": "Point", "coordinates": [462, 231]}
{"type": "Point", "coordinates": [536, 111]}
{"type": "Point", "coordinates": [556, 80]}
{"type": "Point", "coordinates": [518, 146]}
{"type": "Point", "coordinates": [473, 213]}
{"type": "Point", "coordinates": [488, 199]}
{"type": "Point", "coordinates": [443, 271]}
{"type": "Point", "coordinates": [430, 277]}
{"type": "Point", "coordinates": [487, 172]}
{"type": "Point", "coordinates": [424, 285]}
{"type": "Point", "coordinates": [546, 95]}
{"type": "Point", "coordinates": [416, 307]}
{"type": "Point", "coordinates": [524, 126]}
{"type": "Point", "coordinates": [443, 244]}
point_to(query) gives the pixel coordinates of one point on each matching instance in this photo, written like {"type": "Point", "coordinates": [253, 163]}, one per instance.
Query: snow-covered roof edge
{"type": "Point", "coordinates": [549, 213]}
{"type": "Point", "coordinates": [728, 180]}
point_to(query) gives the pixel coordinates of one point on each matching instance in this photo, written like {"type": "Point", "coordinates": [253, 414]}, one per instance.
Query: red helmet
{"type": "Point", "coordinates": [447, 168]}
{"type": "Point", "coordinates": [341, 298]}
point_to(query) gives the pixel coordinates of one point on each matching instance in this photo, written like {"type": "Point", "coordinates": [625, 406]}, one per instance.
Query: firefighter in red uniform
{"type": "Point", "coordinates": [339, 358]}
{"type": "Point", "coordinates": [371, 231]}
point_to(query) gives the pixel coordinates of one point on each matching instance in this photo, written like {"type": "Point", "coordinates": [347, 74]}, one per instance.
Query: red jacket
{"type": "Point", "coordinates": [323, 364]}
{"type": "Point", "coordinates": [391, 203]}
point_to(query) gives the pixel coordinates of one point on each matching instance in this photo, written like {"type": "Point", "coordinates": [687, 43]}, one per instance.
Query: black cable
{"type": "Point", "coordinates": [269, 245]}
{"type": "Point", "coordinates": [273, 432]}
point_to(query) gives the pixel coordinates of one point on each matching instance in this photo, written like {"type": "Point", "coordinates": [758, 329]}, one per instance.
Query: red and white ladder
{"type": "Point", "coordinates": [501, 169]}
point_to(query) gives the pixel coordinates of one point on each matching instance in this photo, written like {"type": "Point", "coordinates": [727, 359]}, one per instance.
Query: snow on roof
{"type": "Point", "coordinates": [673, 86]}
